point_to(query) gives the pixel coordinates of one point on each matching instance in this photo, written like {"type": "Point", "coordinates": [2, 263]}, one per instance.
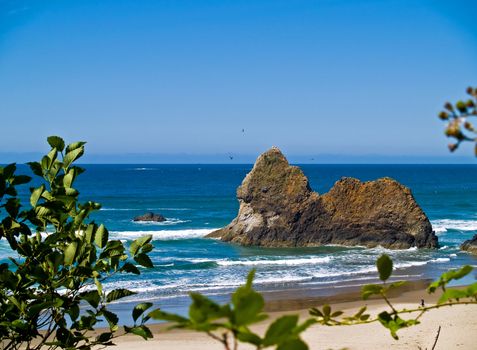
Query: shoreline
{"type": "Point", "coordinates": [457, 322]}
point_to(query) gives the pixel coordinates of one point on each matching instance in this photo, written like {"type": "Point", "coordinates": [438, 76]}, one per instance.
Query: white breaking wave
{"type": "Point", "coordinates": [164, 234]}
{"type": "Point", "coordinates": [287, 262]}
{"type": "Point", "coordinates": [420, 263]}
{"type": "Point", "coordinates": [443, 225]}
{"type": "Point", "coordinates": [440, 260]}
{"type": "Point", "coordinates": [167, 222]}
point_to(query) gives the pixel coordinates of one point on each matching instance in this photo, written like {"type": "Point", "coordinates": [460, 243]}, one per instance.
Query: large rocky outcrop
{"type": "Point", "coordinates": [470, 245]}
{"type": "Point", "coordinates": [279, 209]}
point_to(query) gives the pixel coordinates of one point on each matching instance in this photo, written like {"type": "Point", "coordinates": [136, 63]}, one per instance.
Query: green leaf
{"type": "Point", "coordinates": [101, 236]}
{"type": "Point", "coordinates": [139, 243]}
{"type": "Point", "coordinates": [370, 289]}
{"type": "Point", "coordinates": [146, 248]}
{"type": "Point", "coordinates": [293, 344]}
{"type": "Point", "coordinates": [71, 156]}
{"type": "Point", "coordinates": [143, 260]}
{"type": "Point", "coordinates": [111, 317]}
{"type": "Point", "coordinates": [326, 310]}
{"type": "Point", "coordinates": [450, 294]}
{"type": "Point", "coordinates": [20, 180]}
{"type": "Point", "coordinates": [164, 316]}
{"type": "Point", "coordinates": [12, 206]}
{"type": "Point", "coordinates": [396, 284]}
{"type": "Point", "coordinates": [99, 285]}
{"type": "Point", "coordinates": [36, 195]}
{"type": "Point", "coordinates": [74, 145]}
{"type": "Point", "coordinates": [70, 253]}
{"type": "Point", "coordinates": [246, 336]}
{"type": "Point", "coordinates": [336, 314]}
{"type": "Point", "coordinates": [88, 233]}
{"type": "Point", "coordinates": [305, 325]}
{"type": "Point", "coordinates": [9, 170]}
{"type": "Point", "coordinates": [56, 142]}
{"type": "Point", "coordinates": [118, 294]}
{"type": "Point", "coordinates": [250, 278]}
{"type": "Point", "coordinates": [130, 268]}
{"type": "Point", "coordinates": [394, 323]}
{"type": "Point", "coordinates": [104, 337]}
{"type": "Point", "coordinates": [92, 297]}
{"type": "Point", "coordinates": [280, 330]}
{"type": "Point", "coordinates": [142, 331]}
{"type": "Point", "coordinates": [448, 276]}
{"type": "Point", "coordinates": [74, 312]}
{"type": "Point", "coordinates": [36, 168]}
{"type": "Point", "coordinates": [316, 312]}
{"type": "Point", "coordinates": [248, 305]}
{"type": "Point", "coordinates": [68, 178]}
{"type": "Point", "coordinates": [472, 290]}
{"type": "Point", "coordinates": [139, 309]}
{"type": "Point", "coordinates": [385, 267]}
{"type": "Point", "coordinates": [203, 309]}
{"type": "Point", "coordinates": [360, 312]}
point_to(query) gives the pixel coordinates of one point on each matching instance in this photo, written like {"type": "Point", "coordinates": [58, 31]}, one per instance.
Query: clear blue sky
{"type": "Point", "coordinates": [146, 80]}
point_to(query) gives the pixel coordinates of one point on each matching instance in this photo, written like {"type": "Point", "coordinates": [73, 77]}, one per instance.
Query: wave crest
{"type": "Point", "coordinates": [164, 234]}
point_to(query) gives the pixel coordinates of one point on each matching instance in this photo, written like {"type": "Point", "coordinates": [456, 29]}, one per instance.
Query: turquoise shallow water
{"type": "Point", "coordinates": [196, 199]}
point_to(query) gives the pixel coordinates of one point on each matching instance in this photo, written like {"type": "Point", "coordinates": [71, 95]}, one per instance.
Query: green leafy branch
{"type": "Point", "coordinates": [391, 319]}
{"type": "Point", "coordinates": [52, 292]}
{"type": "Point", "coordinates": [457, 115]}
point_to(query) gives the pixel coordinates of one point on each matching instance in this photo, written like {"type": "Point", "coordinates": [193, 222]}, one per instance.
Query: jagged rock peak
{"type": "Point", "coordinates": [278, 208]}
{"type": "Point", "coordinates": [272, 179]}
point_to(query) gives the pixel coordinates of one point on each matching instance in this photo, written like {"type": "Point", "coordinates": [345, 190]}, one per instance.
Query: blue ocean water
{"type": "Point", "coordinates": [196, 199]}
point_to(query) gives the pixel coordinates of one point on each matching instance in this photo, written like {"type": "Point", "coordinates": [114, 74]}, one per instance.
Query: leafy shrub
{"type": "Point", "coordinates": [51, 293]}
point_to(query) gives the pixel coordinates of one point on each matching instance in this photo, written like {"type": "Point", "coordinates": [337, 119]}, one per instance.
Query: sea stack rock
{"type": "Point", "coordinates": [470, 245]}
{"type": "Point", "coordinates": [279, 209]}
{"type": "Point", "coordinates": [150, 217]}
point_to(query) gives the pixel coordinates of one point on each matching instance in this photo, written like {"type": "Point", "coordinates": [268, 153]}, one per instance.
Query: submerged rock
{"type": "Point", "coordinates": [279, 209]}
{"type": "Point", "coordinates": [150, 217]}
{"type": "Point", "coordinates": [470, 245]}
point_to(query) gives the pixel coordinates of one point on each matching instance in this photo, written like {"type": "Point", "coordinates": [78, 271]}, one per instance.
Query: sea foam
{"type": "Point", "coordinates": [287, 262]}
{"type": "Point", "coordinates": [164, 234]}
{"type": "Point", "coordinates": [167, 222]}
{"type": "Point", "coordinates": [443, 225]}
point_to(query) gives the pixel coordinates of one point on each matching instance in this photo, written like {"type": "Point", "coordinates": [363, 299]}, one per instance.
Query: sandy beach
{"type": "Point", "coordinates": [458, 327]}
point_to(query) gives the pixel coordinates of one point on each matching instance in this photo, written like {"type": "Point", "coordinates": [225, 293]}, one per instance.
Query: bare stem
{"type": "Point", "coordinates": [437, 338]}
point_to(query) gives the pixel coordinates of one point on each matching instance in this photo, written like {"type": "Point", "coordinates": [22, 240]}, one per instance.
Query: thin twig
{"type": "Point", "coordinates": [437, 338]}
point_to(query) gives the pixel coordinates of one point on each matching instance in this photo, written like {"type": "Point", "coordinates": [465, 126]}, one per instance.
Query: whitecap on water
{"type": "Point", "coordinates": [286, 261]}
{"type": "Point", "coordinates": [163, 234]}
{"type": "Point", "coordinates": [443, 225]}
{"type": "Point", "coordinates": [167, 222]}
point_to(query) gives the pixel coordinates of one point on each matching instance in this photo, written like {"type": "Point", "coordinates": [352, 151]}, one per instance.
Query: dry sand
{"type": "Point", "coordinates": [458, 328]}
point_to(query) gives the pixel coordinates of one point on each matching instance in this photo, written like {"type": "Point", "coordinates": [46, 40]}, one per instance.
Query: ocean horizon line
{"type": "Point", "coordinates": [247, 159]}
